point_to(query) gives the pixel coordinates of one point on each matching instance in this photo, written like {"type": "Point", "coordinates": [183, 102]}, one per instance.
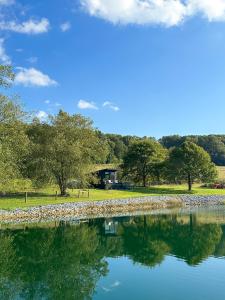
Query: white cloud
{"type": "Point", "coordinates": [83, 104]}
{"type": "Point", "coordinates": [112, 286]}
{"type": "Point", "coordinates": [33, 77]}
{"type": "Point", "coordinates": [169, 12]}
{"type": "Point", "coordinates": [116, 284]}
{"type": "Point", "coordinates": [32, 59]}
{"type": "Point", "coordinates": [52, 104]}
{"type": "Point", "coordinates": [105, 289]}
{"type": "Point", "coordinates": [212, 10]}
{"type": "Point", "coordinates": [29, 27]}
{"type": "Point", "coordinates": [4, 58]}
{"type": "Point", "coordinates": [111, 105]}
{"type": "Point", "coordinates": [65, 26]}
{"type": "Point", "coordinates": [165, 12]}
{"type": "Point", "coordinates": [41, 115]}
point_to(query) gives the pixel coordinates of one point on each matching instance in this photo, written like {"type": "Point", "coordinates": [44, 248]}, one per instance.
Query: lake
{"type": "Point", "coordinates": [177, 254]}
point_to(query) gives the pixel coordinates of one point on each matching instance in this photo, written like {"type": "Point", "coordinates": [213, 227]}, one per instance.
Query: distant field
{"type": "Point", "coordinates": [221, 173]}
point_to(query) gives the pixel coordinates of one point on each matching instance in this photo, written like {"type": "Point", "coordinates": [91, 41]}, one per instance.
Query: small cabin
{"type": "Point", "coordinates": [108, 175]}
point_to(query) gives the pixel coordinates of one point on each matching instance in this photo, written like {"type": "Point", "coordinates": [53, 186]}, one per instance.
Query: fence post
{"type": "Point", "coordinates": [56, 194]}
{"type": "Point", "coordinates": [25, 197]}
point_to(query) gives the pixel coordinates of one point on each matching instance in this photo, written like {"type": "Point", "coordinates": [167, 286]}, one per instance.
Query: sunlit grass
{"type": "Point", "coordinates": [221, 173]}
{"type": "Point", "coordinates": [47, 195]}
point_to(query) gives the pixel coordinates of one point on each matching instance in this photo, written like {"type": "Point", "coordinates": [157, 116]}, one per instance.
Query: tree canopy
{"type": "Point", "coordinates": [213, 144]}
{"type": "Point", "coordinates": [63, 149]}
{"type": "Point", "coordinates": [141, 158]}
{"type": "Point", "coordinates": [13, 139]}
{"type": "Point", "coordinates": [190, 162]}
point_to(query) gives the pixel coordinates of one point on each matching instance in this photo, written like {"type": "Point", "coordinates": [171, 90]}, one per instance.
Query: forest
{"type": "Point", "coordinates": [65, 147]}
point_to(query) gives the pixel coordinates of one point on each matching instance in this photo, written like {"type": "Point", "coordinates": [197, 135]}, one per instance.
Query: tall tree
{"type": "Point", "coordinates": [141, 158]}
{"type": "Point", "coordinates": [13, 140]}
{"type": "Point", "coordinates": [190, 162]}
{"type": "Point", "coordinates": [64, 149]}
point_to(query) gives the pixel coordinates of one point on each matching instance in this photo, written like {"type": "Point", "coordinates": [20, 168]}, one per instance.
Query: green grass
{"type": "Point", "coordinates": [46, 196]}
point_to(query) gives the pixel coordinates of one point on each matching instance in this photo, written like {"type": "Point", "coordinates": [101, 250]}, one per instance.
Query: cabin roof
{"type": "Point", "coordinates": [106, 167]}
{"type": "Point", "coordinates": [107, 170]}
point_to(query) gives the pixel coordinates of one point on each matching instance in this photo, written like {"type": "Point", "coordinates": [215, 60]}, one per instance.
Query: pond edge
{"type": "Point", "coordinates": [106, 207]}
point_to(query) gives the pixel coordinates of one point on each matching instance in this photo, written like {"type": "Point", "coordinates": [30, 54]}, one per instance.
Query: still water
{"type": "Point", "coordinates": [173, 255]}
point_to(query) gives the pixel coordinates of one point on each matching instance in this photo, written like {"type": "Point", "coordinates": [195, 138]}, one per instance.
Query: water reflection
{"type": "Point", "coordinates": [66, 260]}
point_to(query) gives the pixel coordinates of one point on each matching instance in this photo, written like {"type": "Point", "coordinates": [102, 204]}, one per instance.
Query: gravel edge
{"type": "Point", "coordinates": [106, 207]}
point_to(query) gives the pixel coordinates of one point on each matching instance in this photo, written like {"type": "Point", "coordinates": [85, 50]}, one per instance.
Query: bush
{"type": "Point", "coordinates": [17, 185]}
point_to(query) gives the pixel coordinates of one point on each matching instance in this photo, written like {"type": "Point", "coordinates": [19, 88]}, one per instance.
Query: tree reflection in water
{"type": "Point", "coordinates": [66, 261]}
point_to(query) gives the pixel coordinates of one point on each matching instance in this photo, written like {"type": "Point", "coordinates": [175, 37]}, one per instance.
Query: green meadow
{"type": "Point", "coordinates": [47, 195]}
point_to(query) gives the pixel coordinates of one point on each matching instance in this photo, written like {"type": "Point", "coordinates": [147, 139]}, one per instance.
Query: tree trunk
{"type": "Point", "coordinates": [144, 181]}
{"type": "Point", "coordinates": [158, 177]}
{"type": "Point", "coordinates": [63, 190]}
{"type": "Point", "coordinates": [62, 187]}
{"type": "Point", "coordinates": [189, 183]}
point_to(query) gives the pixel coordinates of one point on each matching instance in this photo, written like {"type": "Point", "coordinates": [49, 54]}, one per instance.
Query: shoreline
{"type": "Point", "coordinates": [90, 209]}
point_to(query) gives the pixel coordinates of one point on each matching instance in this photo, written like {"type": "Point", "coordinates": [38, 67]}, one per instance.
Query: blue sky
{"type": "Point", "coordinates": [152, 67]}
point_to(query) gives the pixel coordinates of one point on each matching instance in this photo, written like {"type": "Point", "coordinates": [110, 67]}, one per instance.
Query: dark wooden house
{"type": "Point", "coordinates": [107, 176]}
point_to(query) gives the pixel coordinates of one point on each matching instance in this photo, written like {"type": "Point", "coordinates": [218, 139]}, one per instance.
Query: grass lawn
{"type": "Point", "coordinates": [46, 196]}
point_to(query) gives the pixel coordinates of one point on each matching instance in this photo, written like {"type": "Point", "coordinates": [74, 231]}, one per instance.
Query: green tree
{"type": "Point", "coordinates": [171, 141]}
{"type": "Point", "coordinates": [215, 147]}
{"type": "Point", "coordinates": [116, 146]}
{"type": "Point", "coordinates": [13, 139]}
{"type": "Point", "coordinates": [63, 150]}
{"type": "Point", "coordinates": [141, 158]}
{"type": "Point", "coordinates": [190, 162]}
{"type": "Point", "coordinates": [213, 144]}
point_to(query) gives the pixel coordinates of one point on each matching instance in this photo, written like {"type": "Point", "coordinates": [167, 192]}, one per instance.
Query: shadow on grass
{"type": "Point", "coordinates": [22, 195]}
{"type": "Point", "coordinates": [162, 191]}
{"type": "Point", "coordinates": [147, 191]}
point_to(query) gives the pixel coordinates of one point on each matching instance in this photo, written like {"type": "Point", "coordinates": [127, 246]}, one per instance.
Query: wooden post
{"type": "Point", "coordinates": [25, 197]}
{"type": "Point", "coordinates": [56, 194]}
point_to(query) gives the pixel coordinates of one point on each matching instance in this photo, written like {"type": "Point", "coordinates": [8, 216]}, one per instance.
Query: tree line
{"type": "Point", "coordinates": [65, 147]}
{"type": "Point", "coordinates": [148, 161]}
{"type": "Point", "coordinates": [214, 145]}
